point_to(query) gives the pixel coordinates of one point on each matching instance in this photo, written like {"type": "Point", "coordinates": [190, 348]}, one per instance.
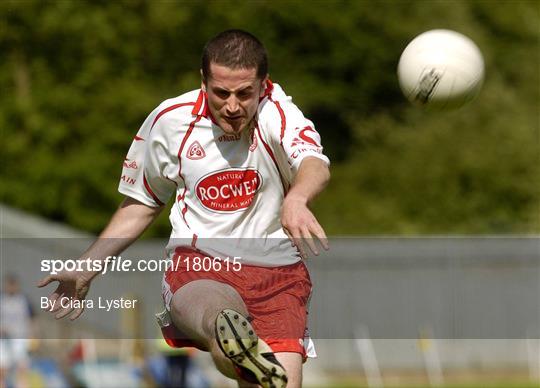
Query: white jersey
{"type": "Point", "coordinates": [229, 188]}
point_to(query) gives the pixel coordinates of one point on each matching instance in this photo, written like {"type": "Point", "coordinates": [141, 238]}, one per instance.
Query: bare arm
{"type": "Point", "coordinates": [297, 220]}
{"type": "Point", "coordinates": [129, 221]}
{"type": "Point", "coordinates": [126, 225]}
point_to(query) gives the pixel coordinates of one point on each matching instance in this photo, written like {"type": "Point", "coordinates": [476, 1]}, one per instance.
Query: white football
{"type": "Point", "coordinates": [441, 69]}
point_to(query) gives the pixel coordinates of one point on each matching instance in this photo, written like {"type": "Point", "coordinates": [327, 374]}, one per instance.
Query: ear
{"type": "Point", "coordinates": [203, 82]}
{"type": "Point", "coordinates": [263, 86]}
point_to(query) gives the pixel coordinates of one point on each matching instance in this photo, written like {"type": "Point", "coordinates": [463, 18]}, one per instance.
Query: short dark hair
{"type": "Point", "coordinates": [235, 49]}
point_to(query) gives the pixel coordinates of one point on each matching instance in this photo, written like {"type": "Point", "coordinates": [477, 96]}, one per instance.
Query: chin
{"type": "Point", "coordinates": [227, 128]}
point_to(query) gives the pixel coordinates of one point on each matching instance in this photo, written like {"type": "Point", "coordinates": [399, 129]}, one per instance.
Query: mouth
{"type": "Point", "coordinates": [234, 118]}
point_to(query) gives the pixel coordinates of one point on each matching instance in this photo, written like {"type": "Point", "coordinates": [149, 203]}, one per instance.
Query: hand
{"type": "Point", "coordinates": [73, 285]}
{"type": "Point", "coordinates": [301, 225]}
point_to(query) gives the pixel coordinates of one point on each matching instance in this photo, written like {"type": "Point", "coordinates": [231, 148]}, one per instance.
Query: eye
{"type": "Point", "coordinates": [244, 94]}
{"type": "Point", "coordinates": [222, 93]}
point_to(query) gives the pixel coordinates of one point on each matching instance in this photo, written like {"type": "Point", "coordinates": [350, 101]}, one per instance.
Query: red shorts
{"type": "Point", "coordinates": [276, 298]}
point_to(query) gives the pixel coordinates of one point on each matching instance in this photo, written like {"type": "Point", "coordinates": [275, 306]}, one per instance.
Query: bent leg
{"type": "Point", "coordinates": [292, 362]}
{"type": "Point", "coordinates": [194, 308]}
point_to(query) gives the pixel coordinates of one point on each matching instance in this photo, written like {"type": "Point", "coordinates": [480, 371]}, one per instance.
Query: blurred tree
{"type": "Point", "coordinates": [82, 76]}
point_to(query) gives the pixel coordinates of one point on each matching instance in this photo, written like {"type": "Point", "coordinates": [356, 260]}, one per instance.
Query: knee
{"type": "Point", "coordinates": [175, 310]}
{"type": "Point", "coordinates": [222, 363]}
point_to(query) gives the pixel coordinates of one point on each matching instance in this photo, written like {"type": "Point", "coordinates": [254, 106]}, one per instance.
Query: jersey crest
{"type": "Point", "coordinates": [195, 151]}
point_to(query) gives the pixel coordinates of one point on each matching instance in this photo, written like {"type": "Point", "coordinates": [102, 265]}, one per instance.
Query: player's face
{"type": "Point", "coordinates": [233, 96]}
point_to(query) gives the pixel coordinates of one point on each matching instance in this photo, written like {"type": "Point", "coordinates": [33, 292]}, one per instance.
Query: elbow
{"type": "Point", "coordinates": [326, 176]}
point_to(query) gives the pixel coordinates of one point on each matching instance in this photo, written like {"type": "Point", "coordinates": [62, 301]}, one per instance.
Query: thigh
{"type": "Point", "coordinates": [195, 305]}
{"type": "Point", "coordinates": [183, 271]}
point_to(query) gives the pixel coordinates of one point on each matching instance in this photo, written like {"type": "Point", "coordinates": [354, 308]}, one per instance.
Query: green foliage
{"type": "Point", "coordinates": [82, 76]}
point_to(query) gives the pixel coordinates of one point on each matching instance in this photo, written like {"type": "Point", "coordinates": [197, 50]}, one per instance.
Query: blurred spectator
{"type": "Point", "coordinates": [16, 330]}
{"type": "Point", "coordinates": [178, 361]}
{"type": "Point", "coordinates": [176, 367]}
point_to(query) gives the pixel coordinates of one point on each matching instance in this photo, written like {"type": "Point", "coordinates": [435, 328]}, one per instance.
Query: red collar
{"type": "Point", "coordinates": [201, 105]}
{"type": "Point", "coordinates": [268, 89]}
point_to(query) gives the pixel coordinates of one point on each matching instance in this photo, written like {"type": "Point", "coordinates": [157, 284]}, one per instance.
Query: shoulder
{"type": "Point", "coordinates": [277, 103]}
{"type": "Point", "coordinates": [185, 100]}
{"type": "Point", "coordinates": [272, 102]}
{"type": "Point", "coordinates": [277, 112]}
{"type": "Point", "coordinates": [164, 124]}
{"type": "Point", "coordinates": [271, 111]}
{"type": "Point", "coordinates": [175, 109]}
{"type": "Point", "coordinates": [170, 118]}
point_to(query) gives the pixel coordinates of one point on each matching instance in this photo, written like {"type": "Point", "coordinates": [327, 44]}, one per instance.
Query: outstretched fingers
{"type": "Point", "coordinates": [77, 312]}
{"type": "Point", "coordinates": [317, 231]}
{"type": "Point", "coordinates": [55, 295]}
{"type": "Point", "coordinates": [65, 311]}
{"type": "Point", "coordinates": [73, 306]}
{"type": "Point", "coordinates": [313, 233]}
{"type": "Point", "coordinates": [54, 300]}
{"type": "Point", "coordinates": [306, 235]}
{"type": "Point", "coordinates": [68, 297]}
{"type": "Point", "coordinates": [296, 240]}
{"type": "Point", "coordinates": [46, 280]}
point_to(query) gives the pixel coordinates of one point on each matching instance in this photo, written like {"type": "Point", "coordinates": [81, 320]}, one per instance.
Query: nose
{"type": "Point", "coordinates": [232, 106]}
